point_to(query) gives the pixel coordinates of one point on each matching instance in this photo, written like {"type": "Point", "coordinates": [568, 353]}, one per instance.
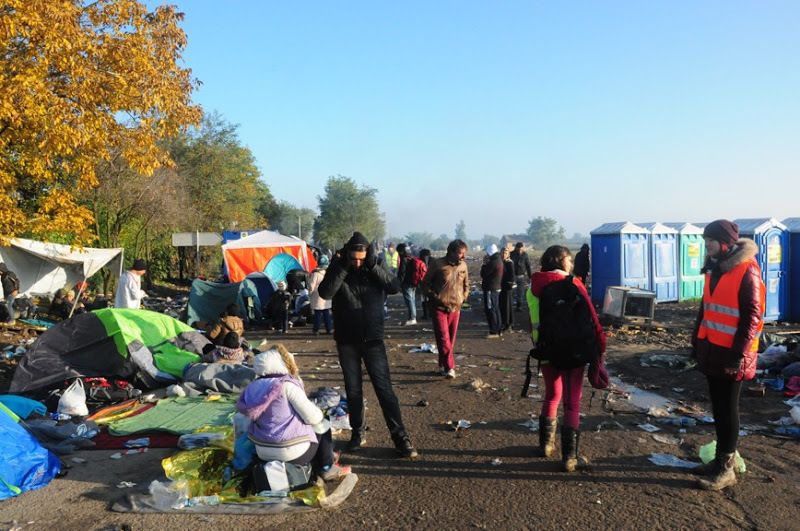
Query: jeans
{"type": "Point", "coordinates": [567, 384]}
{"type": "Point", "coordinates": [409, 295]}
{"type": "Point", "coordinates": [319, 316]}
{"type": "Point", "coordinates": [724, 394]}
{"type": "Point", "coordinates": [10, 307]}
{"type": "Point", "coordinates": [519, 291]}
{"type": "Point", "coordinates": [445, 327]}
{"type": "Point", "coordinates": [491, 305]}
{"type": "Point", "coordinates": [374, 355]}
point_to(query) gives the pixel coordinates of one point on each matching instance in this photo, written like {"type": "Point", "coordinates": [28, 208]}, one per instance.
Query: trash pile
{"type": "Point", "coordinates": [334, 405]}
{"type": "Point", "coordinates": [175, 308]}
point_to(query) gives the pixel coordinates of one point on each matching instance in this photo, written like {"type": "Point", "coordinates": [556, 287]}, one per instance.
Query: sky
{"type": "Point", "coordinates": [496, 112]}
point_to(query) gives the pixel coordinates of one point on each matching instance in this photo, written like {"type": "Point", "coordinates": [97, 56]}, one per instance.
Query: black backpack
{"type": "Point", "coordinates": [566, 328]}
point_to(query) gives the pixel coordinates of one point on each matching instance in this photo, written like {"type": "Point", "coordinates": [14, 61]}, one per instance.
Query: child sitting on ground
{"type": "Point", "coordinates": [230, 351]}
{"type": "Point", "coordinates": [229, 321]}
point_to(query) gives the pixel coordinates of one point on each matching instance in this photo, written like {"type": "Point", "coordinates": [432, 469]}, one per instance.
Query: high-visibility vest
{"type": "Point", "coordinates": [391, 259]}
{"type": "Point", "coordinates": [721, 309]}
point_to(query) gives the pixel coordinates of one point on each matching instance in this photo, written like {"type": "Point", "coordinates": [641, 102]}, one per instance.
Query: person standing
{"type": "Point", "coordinates": [391, 259]}
{"type": "Point", "coordinates": [725, 340]}
{"type": "Point", "coordinates": [522, 272]}
{"type": "Point", "coordinates": [446, 286]}
{"type": "Point", "coordinates": [129, 290]}
{"type": "Point", "coordinates": [406, 270]}
{"type": "Point", "coordinates": [491, 278]}
{"type": "Point", "coordinates": [583, 263]}
{"type": "Point", "coordinates": [10, 283]}
{"type": "Point", "coordinates": [566, 343]}
{"type": "Point", "coordinates": [321, 307]}
{"type": "Point", "coordinates": [356, 284]}
{"type": "Point", "coordinates": [425, 258]}
{"type": "Point", "coordinates": [507, 286]}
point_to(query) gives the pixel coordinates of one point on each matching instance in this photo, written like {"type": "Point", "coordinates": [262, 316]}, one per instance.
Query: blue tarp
{"type": "Point", "coordinates": [207, 300]}
{"type": "Point", "coordinates": [24, 463]}
{"type": "Point", "coordinates": [279, 265]}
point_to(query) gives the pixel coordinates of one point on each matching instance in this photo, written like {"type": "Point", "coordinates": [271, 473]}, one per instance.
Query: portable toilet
{"type": "Point", "coordinates": [619, 258]}
{"type": "Point", "coordinates": [772, 240]}
{"type": "Point", "coordinates": [793, 226]}
{"type": "Point", "coordinates": [691, 257]}
{"type": "Point", "coordinates": [663, 250]}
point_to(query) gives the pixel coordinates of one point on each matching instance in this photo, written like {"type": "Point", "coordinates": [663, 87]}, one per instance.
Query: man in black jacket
{"type": "Point", "coordinates": [522, 272]}
{"type": "Point", "coordinates": [10, 289]}
{"type": "Point", "coordinates": [491, 279]}
{"type": "Point", "coordinates": [357, 285]}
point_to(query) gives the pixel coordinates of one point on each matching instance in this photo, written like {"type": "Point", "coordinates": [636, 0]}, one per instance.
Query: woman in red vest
{"type": "Point", "coordinates": [725, 342]}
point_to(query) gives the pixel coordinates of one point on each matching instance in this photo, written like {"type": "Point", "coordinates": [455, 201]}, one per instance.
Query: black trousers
{"type": "Point", "coordinates": [373, 353]}
{"type": "Point", "coordinates": [506, 303]}
{"type": "Point", "coordinates": [319, 454]}
{"type": "Point", "coordinates": [724, 395]}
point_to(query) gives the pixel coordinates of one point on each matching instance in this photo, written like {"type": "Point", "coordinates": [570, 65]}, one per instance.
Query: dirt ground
{"type": "Point", "coordinates": [484, 477]}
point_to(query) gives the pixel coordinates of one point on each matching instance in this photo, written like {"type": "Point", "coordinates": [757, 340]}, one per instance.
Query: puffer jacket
{"type": "Point", "coordinates": [713, 360]}
{"type": "Point", "coordinates": [492, 273]}
{"type": "Point", "coordinates": [357, 297]}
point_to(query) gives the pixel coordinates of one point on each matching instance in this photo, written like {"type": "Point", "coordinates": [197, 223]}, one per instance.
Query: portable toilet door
{"type": "Point", "coordinates": [793, 227]}
{"type": "Point", "coordinates": [619, 258]}
{"type": "Point", "coordinates": [772, 240]}
{"type": "Point", "coordinates": [663, 249]}
{"type": "Point", "coordinates": [691, 257]}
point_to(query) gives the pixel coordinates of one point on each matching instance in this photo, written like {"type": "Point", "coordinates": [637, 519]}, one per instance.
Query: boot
{"type": "Point", "coordinates": [569, 448]}
{"type": "Point", "coordinates": [547, 437]}
{"type": "Point", "coordinates": [706, 469]}
{"type": "Point", "coordinates": [357, 441]}
{"type": "Point", "coordinates": [404, 448]}
{"type": "Point", "coordinates": [724, 478]}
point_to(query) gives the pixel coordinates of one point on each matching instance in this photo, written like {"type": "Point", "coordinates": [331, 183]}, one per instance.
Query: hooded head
{"type": "Point", "coordinates": [274, 359]}
{"type": "Point", "coordinates": [491, 249]}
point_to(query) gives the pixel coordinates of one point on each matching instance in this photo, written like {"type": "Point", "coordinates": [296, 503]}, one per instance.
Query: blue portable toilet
{"type": "Point", "coordinates": [663, 250]}
{"type": "Point", "coordinates": [793, 227]}
{"type": "Point", "coordinates": [691, 258]}
{"type": "Point", "coordinates": [619, 257]}
{"type": "Point", "coordinates": [772, 240]}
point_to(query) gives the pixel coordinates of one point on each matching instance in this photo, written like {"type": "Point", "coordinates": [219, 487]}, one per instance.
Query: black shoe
{"type": "Point", "coordinates": [406, 449]}
{"type": "Point", "coordinates": [357, 442]}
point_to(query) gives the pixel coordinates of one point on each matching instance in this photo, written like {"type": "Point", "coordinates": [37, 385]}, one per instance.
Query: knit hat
{"type": "Point", "coordinates": [139, 265]}
{"type": "Point", "coordinates": [323, 261]}
{"type": "Point", "coordinates": [723, 231]}
{"type": "Point", "coordinates": [491, 249]}
{"type": "Point", "coordinates": [357, 240]}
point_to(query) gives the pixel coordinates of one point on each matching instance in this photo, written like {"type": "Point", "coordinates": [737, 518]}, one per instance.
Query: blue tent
{"type": "Point", "coordinates": [265, 287]}
{"type": "Point", "coordinates": [207, 300]}
{"type": "Point", "coordinates": [280, 265]}
{"type": "Point", "coordinates": [24, 463]}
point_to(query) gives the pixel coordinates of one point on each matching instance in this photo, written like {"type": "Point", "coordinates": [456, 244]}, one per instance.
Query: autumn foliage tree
{"type": "Point", "coordinates": [80, 84]}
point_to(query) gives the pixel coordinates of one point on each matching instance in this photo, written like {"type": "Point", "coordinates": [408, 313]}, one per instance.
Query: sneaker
{"type": "Point", "coordinates": [406, 449]}
{"type": "Point", "coordinates": [442, 371]}
{"type": "Point", "coordinates": [451, 374]}
{"type": "Point", "coordinates": [411, 322]}
{"type": "Point", "coordinates": [492, 336]}
{"type": "Point", "coordinates": [335, 472]}
{"type": "Point", "coordinates": [357, 441]}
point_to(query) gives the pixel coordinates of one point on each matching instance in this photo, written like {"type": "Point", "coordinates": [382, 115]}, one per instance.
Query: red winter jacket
{"type": "Point", "coordinates": [713, 360]}
{"type": "Point", "coordinates": [540, 279]}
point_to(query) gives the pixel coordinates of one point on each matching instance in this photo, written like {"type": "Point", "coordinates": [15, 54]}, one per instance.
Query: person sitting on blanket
{"type": "Point", "coordinates": [285, 425]}
{"type": "Point", "coordinates": [229, 321]}
{"type": "Point", "coordinates": [230, 351]}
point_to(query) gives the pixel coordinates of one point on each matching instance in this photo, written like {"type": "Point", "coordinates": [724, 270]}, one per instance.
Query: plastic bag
{"type": "Point", "coordinates": [708, 451]}
{"type": "Point", "coordinates": [73, 401]}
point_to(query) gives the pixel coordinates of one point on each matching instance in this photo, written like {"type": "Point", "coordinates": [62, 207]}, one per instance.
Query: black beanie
{"type": "Point", "coordinates": [139, 265]}
{"type": "Point", "coordinates": [357, 240]}
{"type": "Point", "coordinates": [723, 231]}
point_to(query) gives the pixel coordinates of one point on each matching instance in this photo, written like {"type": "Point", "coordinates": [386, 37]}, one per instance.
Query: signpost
{"type": "Point", "coordinates": [196, 239]}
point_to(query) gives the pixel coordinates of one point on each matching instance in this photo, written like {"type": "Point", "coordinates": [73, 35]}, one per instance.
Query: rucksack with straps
{"type": "Point", "coordinates": [566, 329]}
{"type": "Point", "coordinates": [420, 270]}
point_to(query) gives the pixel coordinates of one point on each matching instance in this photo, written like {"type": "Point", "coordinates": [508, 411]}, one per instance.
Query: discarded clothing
{"type": "Point", "coordinates": [218, 377]}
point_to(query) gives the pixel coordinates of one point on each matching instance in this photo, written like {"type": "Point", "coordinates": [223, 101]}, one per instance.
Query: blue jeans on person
{"type": "Point", "coordinates": [491, 305]}
{"type": "Point", "coordinates": [410, 296]}
{"type": "Point", "coordinates": [374, 355]}
{"type": "Point", "coordinates": [10, 307]}
{"type": "Point", "coordinates": [319, 316]}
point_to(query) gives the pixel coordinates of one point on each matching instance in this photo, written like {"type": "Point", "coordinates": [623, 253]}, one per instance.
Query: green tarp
{"type": "Point", "coordinates": [179, 416]}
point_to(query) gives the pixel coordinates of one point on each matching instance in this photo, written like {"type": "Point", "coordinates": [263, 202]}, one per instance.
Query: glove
{"type": "Point", "coordinates": [370, 260]}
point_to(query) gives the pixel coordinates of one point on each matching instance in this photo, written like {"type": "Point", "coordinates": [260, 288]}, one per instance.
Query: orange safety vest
{"type": "Point", "coordinates": [721, 309]}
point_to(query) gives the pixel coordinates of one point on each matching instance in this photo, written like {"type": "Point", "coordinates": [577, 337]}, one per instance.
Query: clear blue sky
{"type": "Point", "coordinates": [497, 112]}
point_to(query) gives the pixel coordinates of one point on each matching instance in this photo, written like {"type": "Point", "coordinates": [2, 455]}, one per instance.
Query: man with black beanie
{"type": "Point", "coordinates": [357, 285]}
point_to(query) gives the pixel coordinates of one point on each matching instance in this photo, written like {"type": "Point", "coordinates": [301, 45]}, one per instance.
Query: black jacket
{"type": "Point", "coordinates": [10, 283]}
{"type": "Point", "coordinates": [582, 264]}
{"type": "Point", "coordinates": [357, 300]}
{"type": "Point", "coordinates": [509, 279]}
{"type": "Point", "coordinates": [522, 264]}
{"type": "Point", "coordinates": [406, 267]}
{"type": "Point", "coordinates": [492, 273]}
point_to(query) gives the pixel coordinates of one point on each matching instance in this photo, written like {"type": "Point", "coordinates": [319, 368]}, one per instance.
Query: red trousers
{"type": "Point", "coordinates": [567, 384]}
{"type": "Point", "coordinates": [445, 326]}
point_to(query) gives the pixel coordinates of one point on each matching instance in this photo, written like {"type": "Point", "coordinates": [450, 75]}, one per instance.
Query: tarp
{"type": "Point", "coordinates": [44, 267]}
{"type": "Point", "coordinates": [253, 253]}
{"type": "Point", "coordinates": [24, 463]}
{"type": "Point", "coordinates": [207, 300]}
{"type": "Point", "coordinates": [179, 416]}
{"type": "Point", "coordinates": [120, 343]}
{"type": "Point", "coordinates": [280, 265]}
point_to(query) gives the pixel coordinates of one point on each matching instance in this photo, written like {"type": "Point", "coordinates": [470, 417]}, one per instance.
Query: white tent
{"type": "Point", "coordinates": [253, 253]}
{"type": "Point", "coordinates": [44, 267]}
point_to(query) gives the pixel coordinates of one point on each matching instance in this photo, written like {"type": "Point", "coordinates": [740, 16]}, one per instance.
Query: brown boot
{"type": "Point", "coordinates": [569, 448]}
{"type": "Point", "coordinates": [725, 477]}
{"type": "Point", "coordinates": [547, 437]}
{"type": "Point", "coordinates": [707, 469]}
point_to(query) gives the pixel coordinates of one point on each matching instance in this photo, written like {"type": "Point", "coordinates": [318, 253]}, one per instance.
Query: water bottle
{"type": "Point", "coordinates": [60, 416]}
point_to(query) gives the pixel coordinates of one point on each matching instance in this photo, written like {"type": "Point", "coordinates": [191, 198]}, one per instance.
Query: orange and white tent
{"type": "Point", "coordinates": [252, 253]}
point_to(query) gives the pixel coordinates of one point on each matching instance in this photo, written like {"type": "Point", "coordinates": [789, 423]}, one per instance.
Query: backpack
{"type": "Point", "coordinates": [420, 270]}
{"type": "Point", "coordinates": [566, 328]}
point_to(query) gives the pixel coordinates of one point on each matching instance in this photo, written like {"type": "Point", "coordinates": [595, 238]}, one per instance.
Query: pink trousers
{"type": "Point", "coordinates": [445, 327]}
{"type": "Point", "coordinates": [567, 384]}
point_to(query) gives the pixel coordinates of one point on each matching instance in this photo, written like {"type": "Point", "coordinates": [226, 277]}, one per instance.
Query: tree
{"type": "Point", "coordinates": [461, 231]}
{"type": "Point", "coordinates": [345, 208]}
{"type": "Point", "coordinates": [420, 239]}
{"type": "Point", "coordinates": [440, 243]}
{"type": "Point", "coordinates": [488, 239]}
{"type": "Point", "coordinates": [79, 83]}
{"type": "Point", "coordinates": [289, 219]}
{"type": "Point", "coordinates": [544, 232]}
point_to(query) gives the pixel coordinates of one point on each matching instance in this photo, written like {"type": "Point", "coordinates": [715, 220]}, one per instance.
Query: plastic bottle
{"type": "Point", "coordinates": [60, 416]}
{"type": "Point", "coordinates": [679, 421]}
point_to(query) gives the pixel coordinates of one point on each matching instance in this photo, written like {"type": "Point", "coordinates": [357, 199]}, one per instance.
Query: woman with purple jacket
{"type": "Point", "coordinates": [285, 425]}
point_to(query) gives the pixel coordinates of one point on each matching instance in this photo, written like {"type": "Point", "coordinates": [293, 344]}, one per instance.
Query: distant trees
{"type": "Point", "coordinates": [420, 239]}
{"type": "Point", "coordinates": [544, 231]}
{"type": "Point", "coordinates": [346, 207]}
{"type": "Point", "coordinates": [461, 231]}
{"type": "Point", "coordinates": [289, 219]}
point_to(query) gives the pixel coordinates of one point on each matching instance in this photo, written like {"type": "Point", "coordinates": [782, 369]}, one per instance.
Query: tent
{"type": "Point", "coordinates": [24, 463]}
{"type": "Point", "coordinates": [207, 300]}
{"type": "Point", "coordinates": [112, 342]}
{"type": "Point", "coordinates": [280, 265]}
{"type": "Point", "coordinates": [44, 267]}
{"type": "Point", "coordinates": [253, 253]}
